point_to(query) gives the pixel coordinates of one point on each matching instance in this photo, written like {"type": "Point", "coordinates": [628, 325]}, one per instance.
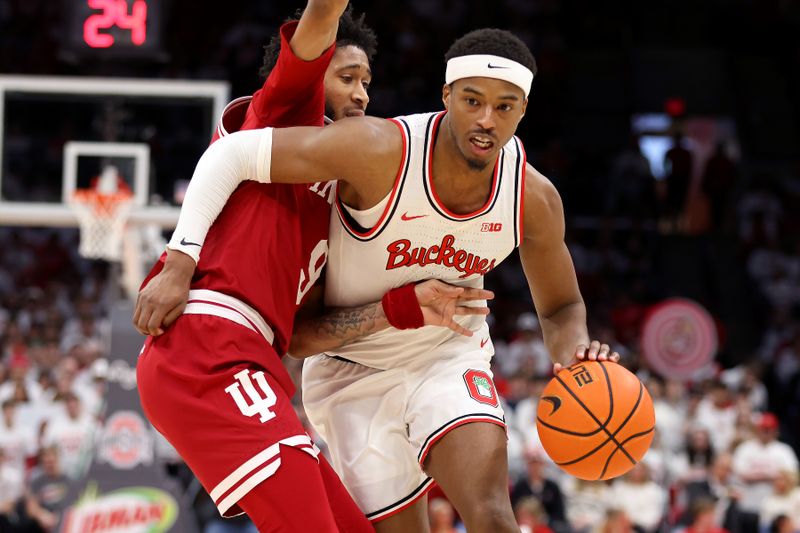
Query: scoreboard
{"type": "Point", "coordinates": [114, 28]}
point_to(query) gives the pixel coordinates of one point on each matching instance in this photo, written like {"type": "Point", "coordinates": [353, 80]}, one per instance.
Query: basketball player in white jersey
{"type": "Point", "coordinates": [443, 195]}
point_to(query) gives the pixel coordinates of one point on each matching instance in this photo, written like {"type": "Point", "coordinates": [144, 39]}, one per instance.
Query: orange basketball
{"type": "Point", "coordinates": [595, 420]}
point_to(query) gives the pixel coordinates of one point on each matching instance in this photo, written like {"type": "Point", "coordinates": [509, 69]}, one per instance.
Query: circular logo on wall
{"type": "Point", "coordinates": [125, 441]}
{"type": "Point", "coordinates": [679, 338]}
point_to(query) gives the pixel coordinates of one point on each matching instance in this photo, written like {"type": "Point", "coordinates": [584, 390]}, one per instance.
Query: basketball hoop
{"type": "Point", "coordinates": [102, 213]}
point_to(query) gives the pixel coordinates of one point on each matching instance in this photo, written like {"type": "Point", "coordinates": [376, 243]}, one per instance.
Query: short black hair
{"type": "Point", "coordinates": [352, 31]}
{"type": "Point", "coordinates": [491, 41]}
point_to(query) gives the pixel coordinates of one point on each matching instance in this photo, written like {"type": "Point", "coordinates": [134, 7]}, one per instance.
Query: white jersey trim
{"type": "Point", "coordinates": [434, 437]}
{"type": "Point", "coordinates": [367, 234]}
{"type": "Point", "coordinates": [206, 302]}
{"type": "Point", "coordinates": [403, 503]}
{"type": "Point", "coordinates": [264, 464]}
{"type": "Point", "coordinates": [233, 104]}
{"type": "Point", "coordinates": [427, 179]}
{"type": "Point", "coordinates": [519, 191]}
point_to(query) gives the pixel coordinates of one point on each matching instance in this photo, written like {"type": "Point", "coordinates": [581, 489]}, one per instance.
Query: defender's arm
{"type": "Point", "coordinates": [317, 28]}
{"type": "Point", "coordinates": [439, 302]}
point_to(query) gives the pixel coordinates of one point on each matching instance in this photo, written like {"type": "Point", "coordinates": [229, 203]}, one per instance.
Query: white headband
{"type": "Point", "coordinates": [489, 66]}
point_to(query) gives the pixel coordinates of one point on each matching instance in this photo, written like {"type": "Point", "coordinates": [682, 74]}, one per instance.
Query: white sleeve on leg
{"type": "Point", "coordinates": [240, 156]}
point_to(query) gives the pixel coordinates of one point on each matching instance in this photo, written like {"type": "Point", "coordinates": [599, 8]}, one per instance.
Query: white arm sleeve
{"type": "Point", "coordinates": [240, 156]}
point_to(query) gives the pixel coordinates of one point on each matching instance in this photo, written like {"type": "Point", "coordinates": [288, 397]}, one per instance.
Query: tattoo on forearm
{"type": "Point", "coordinates": [347, 324]}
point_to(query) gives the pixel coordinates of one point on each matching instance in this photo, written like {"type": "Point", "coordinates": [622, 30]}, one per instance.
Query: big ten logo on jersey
{"type": "Point", "coordinates": [319, 255]}
{"type": "Point", "coordinates": [259, 402]}
{"type": "Point", "coordinates": [581, 375]}
{"type": "Point", "coordinates": [325, 190]}
{"type": "Point", "coordinates": [492, 227]}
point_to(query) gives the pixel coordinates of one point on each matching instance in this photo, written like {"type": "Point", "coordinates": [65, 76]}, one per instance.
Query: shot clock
{"type": "Point", "coordinates": [114, 29]}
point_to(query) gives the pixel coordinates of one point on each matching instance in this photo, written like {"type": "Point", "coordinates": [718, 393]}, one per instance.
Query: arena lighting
{"type": "Point", "coordinates": [675, 106]}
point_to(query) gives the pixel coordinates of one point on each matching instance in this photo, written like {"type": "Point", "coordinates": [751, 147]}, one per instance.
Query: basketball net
{"type": "Point", "coordinates": [103, 212]}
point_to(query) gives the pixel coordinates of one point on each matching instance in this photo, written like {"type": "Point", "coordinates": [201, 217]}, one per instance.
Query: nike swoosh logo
{"type": "Point", "coordinates": [496, 66]}
{"type": "Point", "coordinates": [484, 341]}
{"type": "Point", "coordinates": [405, 216]}
{"type": "Point", "coordinates": [555, 400]}
{"type": "Point", "coordinates": [184, 242]}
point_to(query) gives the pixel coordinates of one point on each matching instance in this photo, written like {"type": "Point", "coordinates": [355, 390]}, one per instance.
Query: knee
{"type": "Point", "coordinates": [490, 515]}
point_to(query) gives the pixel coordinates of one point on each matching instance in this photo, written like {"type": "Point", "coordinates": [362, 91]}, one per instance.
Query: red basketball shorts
{"type": "Point", "coordinates": [205, 386]}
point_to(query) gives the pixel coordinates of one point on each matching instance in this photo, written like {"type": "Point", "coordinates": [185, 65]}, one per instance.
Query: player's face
{"type": "Point", "coordinates": [483, 115]}
{"type": "Point", "coordinates": [346, 82]}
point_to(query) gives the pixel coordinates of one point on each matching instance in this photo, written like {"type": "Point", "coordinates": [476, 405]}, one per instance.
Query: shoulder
{"type": "Point", "coordinates": [368, 134]}
{"type": "Point", "coordinates": [540, 191]}
{"type": "Point", "coordinates": [543, 209]}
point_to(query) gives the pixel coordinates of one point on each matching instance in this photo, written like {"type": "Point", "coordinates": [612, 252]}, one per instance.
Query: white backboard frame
{"type": "Point", "coordinates": [44, 214]}
{"type": "Point", "coordinates": [139, 152]}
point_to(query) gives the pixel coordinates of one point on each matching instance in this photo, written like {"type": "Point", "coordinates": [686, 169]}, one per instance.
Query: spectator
{"type": "Point", "coordinates": [643, 500]}
{"type": "Point", "coordinates": [442, 516]}
{"type": "Point", "coordinates": [704, 518]}
{"type": "Point", "coordinates": [759, 461]}
{"type": "Point", "coordinates": [545, 490]}
{"type": "Point", "coordinates": [717, 413]}
{"type": "Point", "coordinates": [72, 430]}
{"type": "Point", "coordinates": [698, 456]}
{"type": "Point", "coordinates": [85, 331]}
{"type": "Point", "coordinates": [631, 190]}
{"type": "Point", "coordinates": [48, 493]}
{"type": "Point", "coordinates": [783, 524]}
{"type": "Point", "coordinates": [722, 488]}
{"type": "Point", "coordinates": [616, 522]}
{"type": "Point", "coordinates": [678, 177]}
{"type": "Point", "coordinates": [669, 402]}
{"type": "Point", "coordinates": [530, 516]}
{"type": "Point", "coordinates": [11, 490]}
{"type": "Point", "coordinates": [587, 503]}
{"type": "Point", "coordinates": [719, 179]}
{"type": "Point", "coordinates": [527, 352]}
{"type": "Point", "coordinates": [784, 500]}
{"type": "Point", "coordinates": [525, 413]}
{"type": "Point", "coordinates": [17, 442]}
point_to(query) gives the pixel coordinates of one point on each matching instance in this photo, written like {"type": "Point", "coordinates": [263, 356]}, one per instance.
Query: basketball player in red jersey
{"type": "Point", "coordinates": [453, 168]}
{"type": "Point", "coordinates": [217, 391]}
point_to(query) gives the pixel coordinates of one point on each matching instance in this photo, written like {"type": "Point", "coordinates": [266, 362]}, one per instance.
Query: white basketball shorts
{"type": "Point", "coordinates": [381, 424]}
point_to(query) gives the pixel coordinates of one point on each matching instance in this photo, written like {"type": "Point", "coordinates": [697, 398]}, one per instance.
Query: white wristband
{"type": "Point", "coordinates": [240, 156]}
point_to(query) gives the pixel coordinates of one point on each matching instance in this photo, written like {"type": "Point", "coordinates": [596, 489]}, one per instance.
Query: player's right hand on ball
{"type": "Point", "coordinates": [596, 351]}
{"type": "Point", "coordinates": [163, 300]}
{"type": "Point", "coordinates": [441, 302]}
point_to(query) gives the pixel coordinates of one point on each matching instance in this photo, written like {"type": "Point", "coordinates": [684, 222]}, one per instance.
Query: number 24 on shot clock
{"type": "Point", "coordinates": [115, 28]}
{"type": "Point", "coordinates": [115, 13]}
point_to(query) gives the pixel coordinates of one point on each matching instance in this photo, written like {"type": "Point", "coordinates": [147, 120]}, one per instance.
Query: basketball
{"type": "Point", "coordinates": [595, 420]}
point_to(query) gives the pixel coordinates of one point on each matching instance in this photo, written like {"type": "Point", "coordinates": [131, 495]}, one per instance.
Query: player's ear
{"type": "Point", "coordinates": [524, 107]}
{"type": "Point", "coordinates": [447, 90]}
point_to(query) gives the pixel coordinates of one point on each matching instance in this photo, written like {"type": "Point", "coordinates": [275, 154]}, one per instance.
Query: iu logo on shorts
{"type": "Point", "coordinates": [481, 387]}
{"type": "Point", "coordinates": [258, 404]}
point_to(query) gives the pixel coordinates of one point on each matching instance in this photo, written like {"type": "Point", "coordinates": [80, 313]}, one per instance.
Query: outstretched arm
{"type": "Point", "coordinates": [293, 94]}
{"type": "Point", "coordinates": [317, 28]}
{"type": "Point", "coordinates": [286, 155]}
{"type": "Point", "coordinates": [439, 302]}
{"type": "Point", "coordinates": [551, 276]}
{"type": "Point", "coordinates": [291, 155]}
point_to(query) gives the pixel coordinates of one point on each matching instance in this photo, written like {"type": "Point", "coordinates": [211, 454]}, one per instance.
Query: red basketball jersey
{"type": "Point", "coordinates": [269, 244]}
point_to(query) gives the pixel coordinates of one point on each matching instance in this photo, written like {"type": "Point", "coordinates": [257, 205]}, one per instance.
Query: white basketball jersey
{"type": "Point", "coordinates": [417, 238]}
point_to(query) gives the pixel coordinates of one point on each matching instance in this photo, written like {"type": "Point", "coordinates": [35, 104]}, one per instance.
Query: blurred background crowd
{"type": "Point", "coordinates": [711, 216]}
